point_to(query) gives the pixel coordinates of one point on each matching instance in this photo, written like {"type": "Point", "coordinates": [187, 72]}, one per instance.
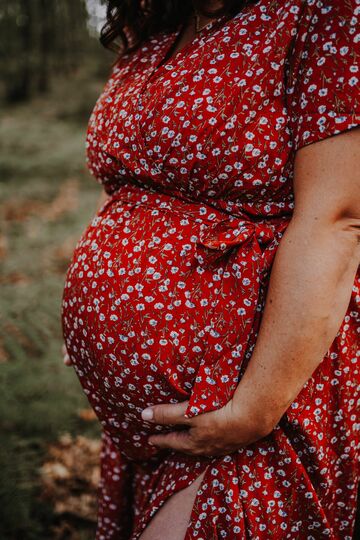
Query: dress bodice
{"type": "Point", "coordinates": [221, 120]}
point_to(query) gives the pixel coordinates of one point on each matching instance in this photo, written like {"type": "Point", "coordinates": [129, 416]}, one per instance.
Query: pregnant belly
{"type": "Point", "coordinates": [156, 288]}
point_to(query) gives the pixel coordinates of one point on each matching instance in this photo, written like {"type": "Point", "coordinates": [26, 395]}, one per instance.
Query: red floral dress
{"type": "Point", "coordinates": [164, 295]}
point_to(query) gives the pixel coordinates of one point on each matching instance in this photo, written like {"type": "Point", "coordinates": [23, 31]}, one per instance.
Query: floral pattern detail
{"type": "Point", "coordinates": [164, 295]}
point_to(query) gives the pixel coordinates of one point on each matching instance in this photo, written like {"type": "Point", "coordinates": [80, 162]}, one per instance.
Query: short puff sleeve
{"type": "Point", "coordinates": [322, 75]}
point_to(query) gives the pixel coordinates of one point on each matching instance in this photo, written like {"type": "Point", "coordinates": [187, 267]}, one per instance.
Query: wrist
{"type": "Point", "coordinates": [259, 418]}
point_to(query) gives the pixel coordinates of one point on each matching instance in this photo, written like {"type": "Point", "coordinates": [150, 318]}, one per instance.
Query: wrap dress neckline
{"type": "Point", "coordinates": [166, 60]}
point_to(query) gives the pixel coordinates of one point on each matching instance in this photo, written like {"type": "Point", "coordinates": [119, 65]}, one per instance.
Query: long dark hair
{"type": "Point", "coordinates": [130, 22]}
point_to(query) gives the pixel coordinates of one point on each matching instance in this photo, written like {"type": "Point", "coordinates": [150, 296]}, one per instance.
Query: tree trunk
{"type": "Point", "coordinates": [19, 87]}
{"type": "Point", "coordinates": [45, 44]}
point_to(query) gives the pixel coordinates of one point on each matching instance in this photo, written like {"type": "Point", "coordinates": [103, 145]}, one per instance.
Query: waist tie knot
{"type": "Point", "coordinates": [222, 237]}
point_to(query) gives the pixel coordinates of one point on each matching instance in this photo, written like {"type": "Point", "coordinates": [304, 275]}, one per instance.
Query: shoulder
{"type": "Point", "coordinates": [322, 70]}
{"type": "Point", "coordinates": [331, 11]}
{"type": "Point", "coordinates": [327, 29]}
{"type": "Point", "coordinates": [327, 6]}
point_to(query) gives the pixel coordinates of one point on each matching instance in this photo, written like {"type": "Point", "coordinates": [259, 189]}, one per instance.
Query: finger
{"type": "Point", "coordinates": [67, 360]}
{"type": "Point", "coordinates": [176, 440]}
{"type": "Point", "coordinates": [66, 357]}
{"type": "Point", "coordinates": [167, 414]}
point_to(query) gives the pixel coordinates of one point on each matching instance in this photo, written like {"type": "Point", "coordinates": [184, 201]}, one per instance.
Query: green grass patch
{"type": "Point", "coordinates": [47, 198]}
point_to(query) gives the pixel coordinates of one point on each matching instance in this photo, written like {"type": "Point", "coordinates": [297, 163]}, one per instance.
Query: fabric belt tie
{"type": "Point", "coordinates": [221, 237]}
{"type": "Point", "coordinates": [256, 243]}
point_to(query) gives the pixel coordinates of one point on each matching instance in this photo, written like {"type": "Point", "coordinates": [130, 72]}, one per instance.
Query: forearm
{"type": "Point", "coordinates": [309, 292]}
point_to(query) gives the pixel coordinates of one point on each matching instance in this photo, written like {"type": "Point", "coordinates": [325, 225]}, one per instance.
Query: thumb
{"type": "Point", "coordinates": [166, 414]}
{"type": "Point", "coordinates": [66, 357]}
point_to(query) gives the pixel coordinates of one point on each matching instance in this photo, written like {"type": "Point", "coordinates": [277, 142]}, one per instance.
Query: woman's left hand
{"type": "Point", "coordinates": [210, 434]}
{"type": "Point", "coordinates": [66, 357]}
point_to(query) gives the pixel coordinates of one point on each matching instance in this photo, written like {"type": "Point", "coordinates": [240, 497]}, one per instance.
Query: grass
{"type": "Point", "coordinates": [47, 197]}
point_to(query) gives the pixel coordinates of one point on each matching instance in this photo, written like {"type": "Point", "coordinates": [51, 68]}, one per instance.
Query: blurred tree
{"type": "Point", "coordinates": [46, 44]}
{"type": "Point", "coordinates": [38, 40]}
{"type": "Point", "coordinates": [16, 44]}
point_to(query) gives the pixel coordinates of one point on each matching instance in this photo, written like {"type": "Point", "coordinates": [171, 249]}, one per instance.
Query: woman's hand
{"type": "Point", "coordinates": [66, 357]}
{"type": "Point", "coordinates": [210, 434]}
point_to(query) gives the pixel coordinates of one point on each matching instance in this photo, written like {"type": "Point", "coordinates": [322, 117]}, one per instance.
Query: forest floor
{"type": "Point", "coordinates": [49, 438]}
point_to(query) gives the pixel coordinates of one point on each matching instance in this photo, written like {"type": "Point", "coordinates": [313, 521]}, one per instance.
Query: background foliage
{"type": "Point", "coordinates": [52, 69]}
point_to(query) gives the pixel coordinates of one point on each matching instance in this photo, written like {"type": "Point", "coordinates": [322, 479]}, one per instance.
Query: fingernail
{"type": "Point", "coordinates": [147, 414]}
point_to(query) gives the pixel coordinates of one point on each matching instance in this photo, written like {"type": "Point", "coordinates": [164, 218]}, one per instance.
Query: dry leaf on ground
{"type": "Point", "coordinates": [70, 477]}
{"type": "Point", "coordinates": [88, 415]}
{"type": "Point", "coordinates": [66, 200]}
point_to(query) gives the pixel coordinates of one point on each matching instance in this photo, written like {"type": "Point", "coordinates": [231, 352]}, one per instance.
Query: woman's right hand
{"type": "Point", "coordinates": [66, 357]}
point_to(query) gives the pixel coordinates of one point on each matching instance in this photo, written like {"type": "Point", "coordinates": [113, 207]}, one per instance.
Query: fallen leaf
{"type": "Point", "coordinates": [70, 477]}
{"type": "Point", "coordinates": [3, 246]}
{"type": "Point", "coordinates": [88, 415]}
{"type": "Point", "coordinates": [14, 278]}
{"type": "Point", "coordinates": [3, 354]}
{"type": "Point", "coordinates": [66, 200]}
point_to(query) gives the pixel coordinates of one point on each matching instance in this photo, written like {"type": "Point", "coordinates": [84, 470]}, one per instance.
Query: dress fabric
{"type": "Point", "coordinates": [164, 295]}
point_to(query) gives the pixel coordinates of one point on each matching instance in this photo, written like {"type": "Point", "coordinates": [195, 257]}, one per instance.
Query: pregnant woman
{"type": "Point", "coordinates": [211, 309]}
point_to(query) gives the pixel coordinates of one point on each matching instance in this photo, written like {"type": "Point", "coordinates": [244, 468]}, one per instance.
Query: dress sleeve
{"type": "Point", "coordinates": [322, 75]}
